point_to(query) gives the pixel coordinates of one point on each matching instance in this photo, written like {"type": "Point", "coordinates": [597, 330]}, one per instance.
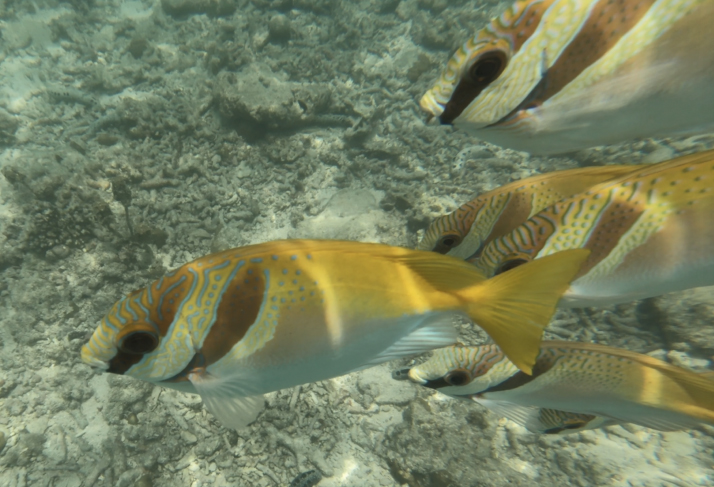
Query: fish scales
{"type": "Point", "coordinates": [649, 232]}
{"type": "Point", "coordinates": [464, 232]}
{"type": "Point", "coordinates": [556, 76]}
{"type": "Point", "coordinates": [234, 325]}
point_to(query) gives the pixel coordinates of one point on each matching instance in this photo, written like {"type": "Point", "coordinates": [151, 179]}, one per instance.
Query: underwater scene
{"type": "Point", "coordinates": [299, 243]}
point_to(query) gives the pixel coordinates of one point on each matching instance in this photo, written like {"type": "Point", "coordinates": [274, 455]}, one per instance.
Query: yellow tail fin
{"type": "Point", "coordinates": [515, 307]}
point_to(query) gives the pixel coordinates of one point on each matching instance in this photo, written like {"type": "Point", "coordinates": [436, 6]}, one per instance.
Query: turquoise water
{"type": "Point", "coordinates": [136, 136]}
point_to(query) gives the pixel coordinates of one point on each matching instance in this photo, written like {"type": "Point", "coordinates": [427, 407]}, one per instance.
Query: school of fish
{"type": "Point", "coordinates": [547, 76]}
{"type": "Point", "coordinates": [466, 231]}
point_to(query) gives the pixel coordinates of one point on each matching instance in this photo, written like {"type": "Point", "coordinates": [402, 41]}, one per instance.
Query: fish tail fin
{"type": "Point", "coordinates": [515, 307]}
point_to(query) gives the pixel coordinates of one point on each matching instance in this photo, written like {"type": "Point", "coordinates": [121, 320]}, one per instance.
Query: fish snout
{"type": "Point", "coordinates": [92, 360]}
{"type": "Point", "coordinates": [431, 107]}
{"type": "Point", "coordinates": [432, 380]}
{"type": "Point", "coordinates": [412, 374]}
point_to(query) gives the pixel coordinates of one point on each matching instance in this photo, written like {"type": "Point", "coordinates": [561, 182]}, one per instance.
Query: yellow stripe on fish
{"type": "Point", "coordinates": [574, 386]}
{"type": "Point", "coordinates": [466, 231]}
{"type": "Point", "coordinates": [553, 76]}
{"type": "Point", "coordinates": [649, 232]}
{"type": "Point", "coordinates": [236, 324]}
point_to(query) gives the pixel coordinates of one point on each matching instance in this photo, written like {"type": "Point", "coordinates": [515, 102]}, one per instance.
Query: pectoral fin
{"type": "Point", "coordinates": [522, 415]}
{"type": "Point", "coordinates": [234, 406]}
{"type": "Point", "coordinates": [436, 331]}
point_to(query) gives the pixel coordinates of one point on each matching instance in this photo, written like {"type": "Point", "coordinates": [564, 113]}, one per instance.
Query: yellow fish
{"type": "Point", "coordinates": [550, 76]}
{"type": "Point", "coordinates": [650, 232]}
{"type": "Point", "coordinates": [574, 386]}
{"type": "Point", "coordinates": [234, 325]}
{"type": "Point", "coordinates": [467, 230]}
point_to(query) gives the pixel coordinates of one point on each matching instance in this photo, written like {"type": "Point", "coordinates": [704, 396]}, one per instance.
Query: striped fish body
{"type": "Point", "coordinates": [234, 325]}
{"type": "Point", "coordinates": [649, 233]}
{"type": "Point", "coordinates": [466, 231]}
{"type": "Point", "coordinates": [604, 385]}
{"type": "Point", "coordinates": [550, 76]}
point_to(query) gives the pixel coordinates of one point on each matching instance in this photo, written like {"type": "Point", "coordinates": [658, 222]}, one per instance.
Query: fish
{"type": "Point", "coordinates": [554, 76]}
{"type": "Point", "coordinates": [234, 325]}
{"type": "Point", "coordinates": [650, 232]}
{"type": "Point", "coordinates": [464, 232]}
{"type": "Point", "coordinates": [574, 386]}
{"type": "Point", "coordinates": [544, 421]}
{"type": "Point", "coordinates": [307, 479]}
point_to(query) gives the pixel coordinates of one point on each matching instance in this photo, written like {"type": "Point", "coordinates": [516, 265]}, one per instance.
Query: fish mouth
{"type": "Point", "coordinates": [94, 362]}
{"type": "Point", "coordinates": [410, 374]}
{"type": "Point", "coordinates": [430, 105]}
{"type": "Point", "coordinates": [436, 384]}
{"type": "Point", "coordinates": [97, 364]}
{"type": "Point", "coordinates": [414, 376]}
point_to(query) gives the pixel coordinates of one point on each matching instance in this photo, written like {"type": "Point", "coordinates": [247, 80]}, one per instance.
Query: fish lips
{"type": "Point", "coordinates": [96, 363]}
{"type": "Point", "coordinates": [411, 375]}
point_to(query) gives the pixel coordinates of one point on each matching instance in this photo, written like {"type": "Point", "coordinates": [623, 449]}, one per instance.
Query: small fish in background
{"type": "Point", "coordinates": [552, 76]}
{"type": "Point", "coordinates": [237, 324]}
{"type": "Point", "coordinates": [464, 232]}
{"type": "Point", "coordinates": [650, 232]}
{"type": "Point", "coordinates": [306, 479]}
{"type": "Point", "coordinates": [574, 386]}
{"type": "Point", "coordinates": [539, 420]}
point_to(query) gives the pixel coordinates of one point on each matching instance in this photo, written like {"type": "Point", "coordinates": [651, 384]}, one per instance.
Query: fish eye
{"type": "Point", "coordinates": [488, 67]}
{"type": "Point", "coordinates": [458, 377]}
{"type": "Point", "coordinates": [139, 342]}
{"type": "Point", "coordinates": [447, 242]}
{"type": "Point", "coordinates": [507, 265]}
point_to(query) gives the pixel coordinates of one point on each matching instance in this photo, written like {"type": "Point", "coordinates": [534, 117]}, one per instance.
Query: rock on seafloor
{"type": "Point", "coordinates": [307, 479]}
{"type": "Point", "coordinates": [138, 135]}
